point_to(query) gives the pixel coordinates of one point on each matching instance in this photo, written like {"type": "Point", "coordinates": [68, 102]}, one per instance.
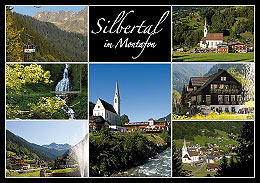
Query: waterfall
{"type": "Point", "coordinates": [64, 85]}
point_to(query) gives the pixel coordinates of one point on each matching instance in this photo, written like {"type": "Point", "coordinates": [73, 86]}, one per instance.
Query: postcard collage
{"type": "Point", "coordinates": [129, 91]}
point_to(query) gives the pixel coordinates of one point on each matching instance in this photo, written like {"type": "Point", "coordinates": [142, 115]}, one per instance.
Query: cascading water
{"type": "Point", "coordinates": [64, 85]}
{"type": "Point", "coordinates": [81, 154]}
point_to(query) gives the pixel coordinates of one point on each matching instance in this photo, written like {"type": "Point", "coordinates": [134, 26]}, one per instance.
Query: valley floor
{"type": "Point", "coordinates": [213, 57]}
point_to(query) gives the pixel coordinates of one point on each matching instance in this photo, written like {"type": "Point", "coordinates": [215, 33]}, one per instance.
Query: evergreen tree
{"type": "Point", "coordinates": [14, 46]}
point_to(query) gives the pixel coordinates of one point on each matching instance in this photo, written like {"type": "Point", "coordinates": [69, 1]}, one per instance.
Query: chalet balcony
{"type": "Point", "coordinates": [224, 91]}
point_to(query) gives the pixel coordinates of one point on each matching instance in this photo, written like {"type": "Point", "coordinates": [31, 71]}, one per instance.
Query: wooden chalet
{"type": "Point", "coordinates": [220, 92]}
{"type": "Point", "coordinates": [212, 167]}
{"type": "Point", "coordinates": [97, 122]}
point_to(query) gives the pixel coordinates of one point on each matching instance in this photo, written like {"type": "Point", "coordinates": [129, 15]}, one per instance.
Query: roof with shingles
{"type": "Point", "coordinates": [214, 36]}
{"type": "Point", "coordinates": [108, 106]}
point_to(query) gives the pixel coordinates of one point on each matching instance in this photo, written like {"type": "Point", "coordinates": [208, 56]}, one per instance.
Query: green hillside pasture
{"type": "Point", "coordinates": [216, 57]}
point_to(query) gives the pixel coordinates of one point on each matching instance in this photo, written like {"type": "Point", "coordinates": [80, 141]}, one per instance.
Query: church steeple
{"type": "Point", "coordinates": [117, 100]}
{"type": "Point", "coordinates": [205, 28]}
{"type": "Point", "coordinates": [184, 148]}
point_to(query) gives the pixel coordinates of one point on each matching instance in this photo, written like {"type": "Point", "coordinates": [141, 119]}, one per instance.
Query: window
{"type": "Point", "coordinates": [208, 99]}
{"type": "Point", "coordinates": [115, 100]}
{"type": "Point", "coordinates": [233, 99]}
{"type": "Point", "coordinates": [199, 98]}
{"type": "Point", "coordinates": [220, 99]}
{"type": "Point", "coordinates": [226, 99]}
{"type": "Point", "coordinates": [223, 78]}
{"type": "Point", "coordinates": [239, 98]}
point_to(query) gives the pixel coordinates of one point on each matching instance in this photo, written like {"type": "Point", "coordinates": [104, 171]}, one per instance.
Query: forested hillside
{"type": "Point", "coordinates": [189, 130]}
{"type": "Point", "coordinates": [71, 44]}
{"type": "Point", "coordinates": [235, 22]}
{"type": "Point", "coordinates": [51, 44]}
{"type": "Point", "coordinates": [25, 149]}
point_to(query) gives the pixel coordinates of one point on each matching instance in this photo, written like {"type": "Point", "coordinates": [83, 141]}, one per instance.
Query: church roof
{"type": "Point", "coordinates": [193, 153]}
{"type": "Point", "coordinates": [214, 36]}
{"type": "Point", "coordinates": [108, 106]}
{"type": "Point", "coordinates": [186, 156]}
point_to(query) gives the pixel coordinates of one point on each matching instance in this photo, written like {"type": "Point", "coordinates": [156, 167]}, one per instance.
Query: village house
{"type": "Point", "coordinates": [65, 161]}
{"type": "Point", "coordinates": [16, 162]}
{"type": "Point", "coordinates": [212, 167]}
{"type": "Point", "coordinates": [220, 92]}
{"type": "Point", "coordinates": [97, 122]}
{"type": "Point", "coordinates": [237, 47]}
{"type": "Point", "coordinates": [150, 125]}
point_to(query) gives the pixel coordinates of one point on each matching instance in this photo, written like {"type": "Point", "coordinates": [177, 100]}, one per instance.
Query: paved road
{"type": "Point", "coordinates": [202, 165]}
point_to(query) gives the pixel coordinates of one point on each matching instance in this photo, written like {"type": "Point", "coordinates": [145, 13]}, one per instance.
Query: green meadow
{"type": "Point", "coordinates": [214, 57]}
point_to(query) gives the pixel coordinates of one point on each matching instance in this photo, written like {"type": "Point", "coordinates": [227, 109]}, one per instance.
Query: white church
{"type": "Point", "coordinates": [109, 112]}
{"type": "Point", "coordinates": [210, 40]}
{"type": "Point", "coordinates": [189, 156]}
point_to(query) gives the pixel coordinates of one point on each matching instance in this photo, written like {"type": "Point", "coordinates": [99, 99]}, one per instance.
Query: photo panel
{"type": "Point", "coordinates": [213, 33]}
{"type": "Point", "coordinates": [213, 149]}
{"type": "Point", "coordinates": [213, 91]}
{"type": "Point", "coordinates": [38, 149]}
{"type": "Point", "coordinates": [46, 33]}
{"type": "Point", "coordinates": [129, 110]}
{"type": "Point", "coordinates": [47, 91]}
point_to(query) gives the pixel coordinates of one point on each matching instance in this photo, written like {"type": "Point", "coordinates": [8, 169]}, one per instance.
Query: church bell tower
{"type": "Point", "coordinates": [205, 28]}
{"type": "Point", "coordinates": [117, 100]}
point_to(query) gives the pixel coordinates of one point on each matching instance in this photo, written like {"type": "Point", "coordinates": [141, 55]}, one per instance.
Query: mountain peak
{"type": "Point", "coordinates": [69, 21]}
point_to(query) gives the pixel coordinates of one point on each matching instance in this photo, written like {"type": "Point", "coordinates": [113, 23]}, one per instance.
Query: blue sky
{"type": "Point", "coordinates": [145, 89]}
{"type": "Point", "coordinates": [31, 10]}
{"type": "Point", "coordinates": [46, 132]}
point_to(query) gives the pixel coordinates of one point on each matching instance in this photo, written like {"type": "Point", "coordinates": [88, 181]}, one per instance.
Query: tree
{"type": "Point", "coordinates": [244, 155]}
{"type": "Point", "coordinates": [14, 46]}
{"type": "Point", "coordinates": [47, 108]}
{"type": "Point", "coordinates": [124, 119]}
{"type": "Point", "coordinates": [17, 75]}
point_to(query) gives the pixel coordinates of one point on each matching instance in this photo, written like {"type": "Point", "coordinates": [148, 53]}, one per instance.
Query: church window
{"type": "Point", "coordinates": [98, 106]}
{"type": "Point", "coordinates": [115, 100]}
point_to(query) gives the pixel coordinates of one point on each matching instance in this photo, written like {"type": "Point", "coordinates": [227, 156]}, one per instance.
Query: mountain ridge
{"type": "Point", "coordinates": [69, 21]}
{"type": "Point", "coordinates": [22, 147]}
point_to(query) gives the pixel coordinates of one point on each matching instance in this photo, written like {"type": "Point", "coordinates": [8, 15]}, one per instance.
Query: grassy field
{"type": "Point", "coordinates": [214, 57]}
{"type": "Point", "coordinates": [204, 139]}
{"type": "Point", "coordinates": [29, 174]}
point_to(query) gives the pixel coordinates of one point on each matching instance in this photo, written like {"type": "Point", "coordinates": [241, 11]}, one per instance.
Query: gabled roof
{"type": "Point", "coordinates": [186, 156]}
{"type": "Point", "coordinates": [198, 81]}
{"type": "Point", "coordinates": [214, 36]}
{"type": "Point", "coordinates": [213, 77]}
{"type": "Point", "coordinates": [193, 153]}
{"type": "Point", "coordinates": [108, 106]}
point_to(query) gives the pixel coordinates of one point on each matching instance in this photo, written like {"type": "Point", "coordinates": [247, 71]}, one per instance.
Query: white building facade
{"type": "Point", "coordinates": [189, 156]}
{"type": "Point", "coordinates": [210, 40]}
{"type": "Point", "coordinates": [107, 111]}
